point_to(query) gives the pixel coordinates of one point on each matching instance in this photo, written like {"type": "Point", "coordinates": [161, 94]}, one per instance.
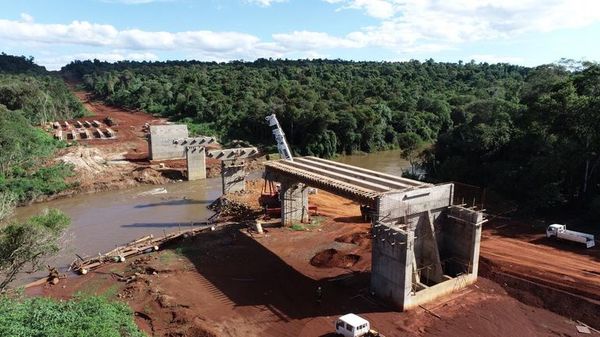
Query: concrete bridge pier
{"type": "Point", "coordinates": [294, 203]}
{"type": "Point", "coordinates": [233, 176]}
{"type": "Point", "coordinates": [196, 162]}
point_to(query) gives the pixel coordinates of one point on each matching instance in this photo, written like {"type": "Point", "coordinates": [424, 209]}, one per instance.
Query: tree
{"type": "Point", "coordinates": [410, 143]}
{"type": "Point", "coordinates": [24, 246]}
{"type": "Point", "coordinates": [7, 204]}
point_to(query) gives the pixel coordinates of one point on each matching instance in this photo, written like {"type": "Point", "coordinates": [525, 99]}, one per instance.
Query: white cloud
{"type": "Point", "coordinates": [305, 40]}
{"type": "Point", "coordinates": [430, 25]}
{"type": "Point", "coordinates": [26, 17]}
{"type": "Point", "coordinates": [264, 3]}
{"type": "Point", "coordinates": [92, 34]}
{"type": "Point", "coordinates": [401, 26]}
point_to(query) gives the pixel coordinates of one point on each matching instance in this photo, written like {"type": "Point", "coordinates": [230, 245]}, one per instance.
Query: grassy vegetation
{"type": "Point", "coordinates": [297, 227]}
{"type": "Point", "coordinates": [85, 316]}
{"type": "Point", "coordinates": [29, 96]}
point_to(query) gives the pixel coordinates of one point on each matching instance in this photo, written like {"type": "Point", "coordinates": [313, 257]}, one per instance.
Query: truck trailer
{"type": "Point", "coordinates": [561, 232]}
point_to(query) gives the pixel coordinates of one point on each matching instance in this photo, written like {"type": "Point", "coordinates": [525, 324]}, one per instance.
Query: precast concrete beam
{"type": "Point", "coordinates": [231, 154]}
{"type": "Point", "coordinates": [411, 182]}
{"type": "Point", "coordinates": [327, 165]}
{"type": "Point", "coordinates": [278, 171]}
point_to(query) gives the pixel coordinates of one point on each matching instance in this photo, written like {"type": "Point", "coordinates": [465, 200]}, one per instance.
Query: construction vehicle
{"type": "Point", "coordinates": [269, 198]}
{"type": "Point", "coordinates": [282, 146]}
{"type": "Point", "coordinates": [351, 325]}
{"type": "Point", "coordinates": [561, 232]}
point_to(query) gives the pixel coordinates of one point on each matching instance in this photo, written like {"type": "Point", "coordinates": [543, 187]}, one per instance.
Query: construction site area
{"type": "Point", "coordinates": [314, 239]}
{"type": "Point", "coordinates": [235, 282]}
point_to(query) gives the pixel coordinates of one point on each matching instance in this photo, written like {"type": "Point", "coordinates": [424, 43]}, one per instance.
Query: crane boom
{"type": "Point", "coordinates": [282, 146]}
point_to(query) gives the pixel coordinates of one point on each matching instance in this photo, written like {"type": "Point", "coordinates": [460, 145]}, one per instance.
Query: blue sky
{"type": "Point", "coordinates": [527, 32]}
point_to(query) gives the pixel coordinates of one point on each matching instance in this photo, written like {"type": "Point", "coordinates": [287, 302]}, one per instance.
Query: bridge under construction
{"type": "Point", "coordinates": [424, 245]}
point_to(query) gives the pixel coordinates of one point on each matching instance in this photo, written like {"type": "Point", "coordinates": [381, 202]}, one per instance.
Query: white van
{"type": "Point", "coordinates": [351, 325]}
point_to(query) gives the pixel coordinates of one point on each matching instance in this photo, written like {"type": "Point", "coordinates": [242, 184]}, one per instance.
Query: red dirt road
{"type": "Point", "coordinates": [521, 250]}
{"type": "Point", "coordinates": [129, 126]}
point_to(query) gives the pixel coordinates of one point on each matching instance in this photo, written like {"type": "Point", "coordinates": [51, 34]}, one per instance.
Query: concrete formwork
{"type": "Point", "coordinates": [423, 246]}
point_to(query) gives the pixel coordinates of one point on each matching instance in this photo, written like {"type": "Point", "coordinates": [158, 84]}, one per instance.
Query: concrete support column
{"type": "Point", "coordinates": [475, 243]}
{"type": "Point", "coordinates": [233, 176]}
{"type": "Point", "coordinates": [196, 162]}
{"type": "Point", "coordinates": [392, 264]}
{"type": "Point", "coordinates": [294, 203]}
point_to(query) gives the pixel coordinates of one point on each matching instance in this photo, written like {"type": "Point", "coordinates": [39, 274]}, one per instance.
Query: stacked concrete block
{"type": "Point", "coordinates": [110, 133]}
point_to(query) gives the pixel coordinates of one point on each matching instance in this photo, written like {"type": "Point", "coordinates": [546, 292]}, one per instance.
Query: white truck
{"type": "Point", "coordinates": [561, 232]}
{"type": "Point", "coordinates": [351, 325]}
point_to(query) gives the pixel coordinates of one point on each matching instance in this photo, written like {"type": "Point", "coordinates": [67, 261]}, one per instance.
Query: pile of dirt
{"type": "Point", "coordinates": [228, 209]}
{"type": "Point", "coordinates": [148, 175]}
{"type": "Point", "coordinates": [362, 239]}
{"type": "Point", "coordinates": [85, 160]}
{"type": "Point", "coordinates": [332, 258]}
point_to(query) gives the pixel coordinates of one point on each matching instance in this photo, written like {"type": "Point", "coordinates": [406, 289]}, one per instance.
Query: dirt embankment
{"type": "Point", "coordinates": [235, 282]}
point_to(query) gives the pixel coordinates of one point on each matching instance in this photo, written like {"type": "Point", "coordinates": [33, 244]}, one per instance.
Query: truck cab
{"type": "Point", "coordinates": [351, 325]}
{"type": "Point", "coordinates": [554, 229]}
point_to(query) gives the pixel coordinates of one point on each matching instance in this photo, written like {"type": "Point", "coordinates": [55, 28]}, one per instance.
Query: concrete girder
{"type": "Point", "coordinates": [413, 183]}
{"type": "Point", "coordinates": [361, 195]}
{"type": "Point", "coordinates": [390, 183]}
{"type": "Point", "coordinates": [338, 176]}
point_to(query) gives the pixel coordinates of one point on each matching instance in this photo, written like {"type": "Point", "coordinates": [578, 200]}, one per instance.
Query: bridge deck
{"type": "Point", "coordinates": [355, 183]}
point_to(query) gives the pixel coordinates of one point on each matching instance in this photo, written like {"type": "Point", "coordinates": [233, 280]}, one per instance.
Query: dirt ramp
{"type": "Point", "coordinates": [332, 258]}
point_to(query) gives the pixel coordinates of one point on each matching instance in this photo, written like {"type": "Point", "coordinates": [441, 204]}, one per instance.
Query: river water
{"type": "Point", "coordinates": [103, 220]}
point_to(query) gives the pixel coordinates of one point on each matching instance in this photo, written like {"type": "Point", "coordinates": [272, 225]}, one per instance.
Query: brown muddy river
{"type": "Point", "coordinates": [101, 221]}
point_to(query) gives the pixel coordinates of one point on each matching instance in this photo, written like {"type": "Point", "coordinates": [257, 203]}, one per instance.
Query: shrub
{"type": "Point", "coordinates": [80, 317]}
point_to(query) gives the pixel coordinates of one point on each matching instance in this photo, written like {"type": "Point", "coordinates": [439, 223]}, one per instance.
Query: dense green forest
{"type": "Point", "coordinates": [326, 107]}
{"type": "Point", "coordinates": [29, 96]}
{"type": "Point", "coordinates": [529, 133]}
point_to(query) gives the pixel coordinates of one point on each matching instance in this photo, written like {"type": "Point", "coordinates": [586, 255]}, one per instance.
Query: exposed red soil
{"type": "Point", "coordinates": [127, 154]}
{"type": "Point", "coordinates": [519, 249]}
{"type": "Point", "coordinates": [331, 257]}
{"type": "Point", "coordinates": [235, 283]}
{"type": "Point", "coordinates": [129, 127]}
